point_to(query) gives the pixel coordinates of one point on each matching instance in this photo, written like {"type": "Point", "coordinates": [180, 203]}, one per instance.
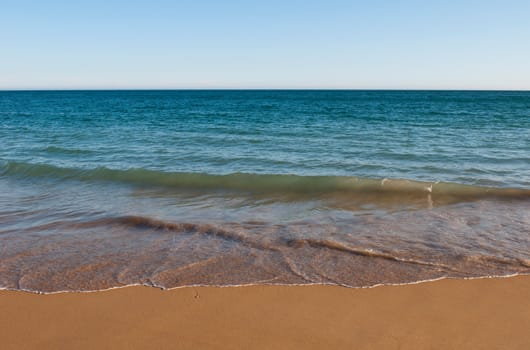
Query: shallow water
{"type": "Point", "coordinates": [169, 188]}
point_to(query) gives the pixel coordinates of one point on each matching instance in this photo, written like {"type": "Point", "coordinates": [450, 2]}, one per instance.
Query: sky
{"type": "Point", "coordinates": [327, 44]}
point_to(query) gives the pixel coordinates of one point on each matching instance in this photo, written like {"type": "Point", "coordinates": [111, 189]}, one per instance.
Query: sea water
{"type": "Point", "coordinates": [101, 189]}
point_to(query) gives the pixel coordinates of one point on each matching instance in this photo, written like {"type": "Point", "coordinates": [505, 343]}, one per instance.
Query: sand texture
{"type": "Point", "coordinates": [447, 314]}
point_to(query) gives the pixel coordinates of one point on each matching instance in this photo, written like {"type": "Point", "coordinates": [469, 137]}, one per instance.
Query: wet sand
{"type": "Point", "coordinates": [447, 314]}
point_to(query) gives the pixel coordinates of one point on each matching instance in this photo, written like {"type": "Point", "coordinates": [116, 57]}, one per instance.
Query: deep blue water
{"type": "Point", "coordinates": [467, 137]}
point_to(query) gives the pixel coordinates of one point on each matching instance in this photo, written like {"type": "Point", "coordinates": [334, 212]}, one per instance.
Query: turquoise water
{"type": "Point", "coordinates": [480, 138]}
{"type": "Point", "coordinates": [171, 188]}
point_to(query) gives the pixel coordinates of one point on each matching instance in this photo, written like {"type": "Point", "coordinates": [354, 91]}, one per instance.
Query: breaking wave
{"type": "Point", "coordinates": [263, 183]}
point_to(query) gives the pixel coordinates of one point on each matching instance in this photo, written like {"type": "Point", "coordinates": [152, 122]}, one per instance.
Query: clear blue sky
{"type": "Point", "coordinates": [265, 44]}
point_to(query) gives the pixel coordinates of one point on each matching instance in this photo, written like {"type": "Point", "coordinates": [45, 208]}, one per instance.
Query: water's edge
{"type": "Point", "coordinates": [267, 285]}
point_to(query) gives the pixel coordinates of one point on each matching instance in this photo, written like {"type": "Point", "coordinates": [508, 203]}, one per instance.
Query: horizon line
{"type": "Point", "coordinates": [257, 89]}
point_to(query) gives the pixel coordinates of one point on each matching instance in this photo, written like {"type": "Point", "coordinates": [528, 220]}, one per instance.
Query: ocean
{"type": "Point", "coordinates": [104, 189]}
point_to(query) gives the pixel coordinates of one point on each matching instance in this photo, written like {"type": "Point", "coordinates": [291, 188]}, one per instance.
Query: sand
{"type": "Point", "coordinates": [447, 314]}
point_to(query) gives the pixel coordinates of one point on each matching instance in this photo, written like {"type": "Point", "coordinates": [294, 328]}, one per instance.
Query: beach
{"type": "Point", "coordinates": [264, 175]}
{"type": "Point", "coordinates": [310, 219]}
{"type": "Point", "coordinates": [490, 313]}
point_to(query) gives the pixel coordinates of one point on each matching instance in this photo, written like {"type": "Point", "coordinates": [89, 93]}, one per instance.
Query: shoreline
{"type": "Point", "coordinates": [447, 313]}
{"type": "Point", "coordinates": [265, 285]}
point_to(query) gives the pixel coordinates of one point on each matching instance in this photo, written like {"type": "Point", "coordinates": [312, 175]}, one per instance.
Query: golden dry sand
{"type": "Point", "coordinates": [448, 314]}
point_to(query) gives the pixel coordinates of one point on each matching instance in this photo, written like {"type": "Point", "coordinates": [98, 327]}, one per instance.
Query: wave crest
{"type": "Point", "coordinates": [262, 183]}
